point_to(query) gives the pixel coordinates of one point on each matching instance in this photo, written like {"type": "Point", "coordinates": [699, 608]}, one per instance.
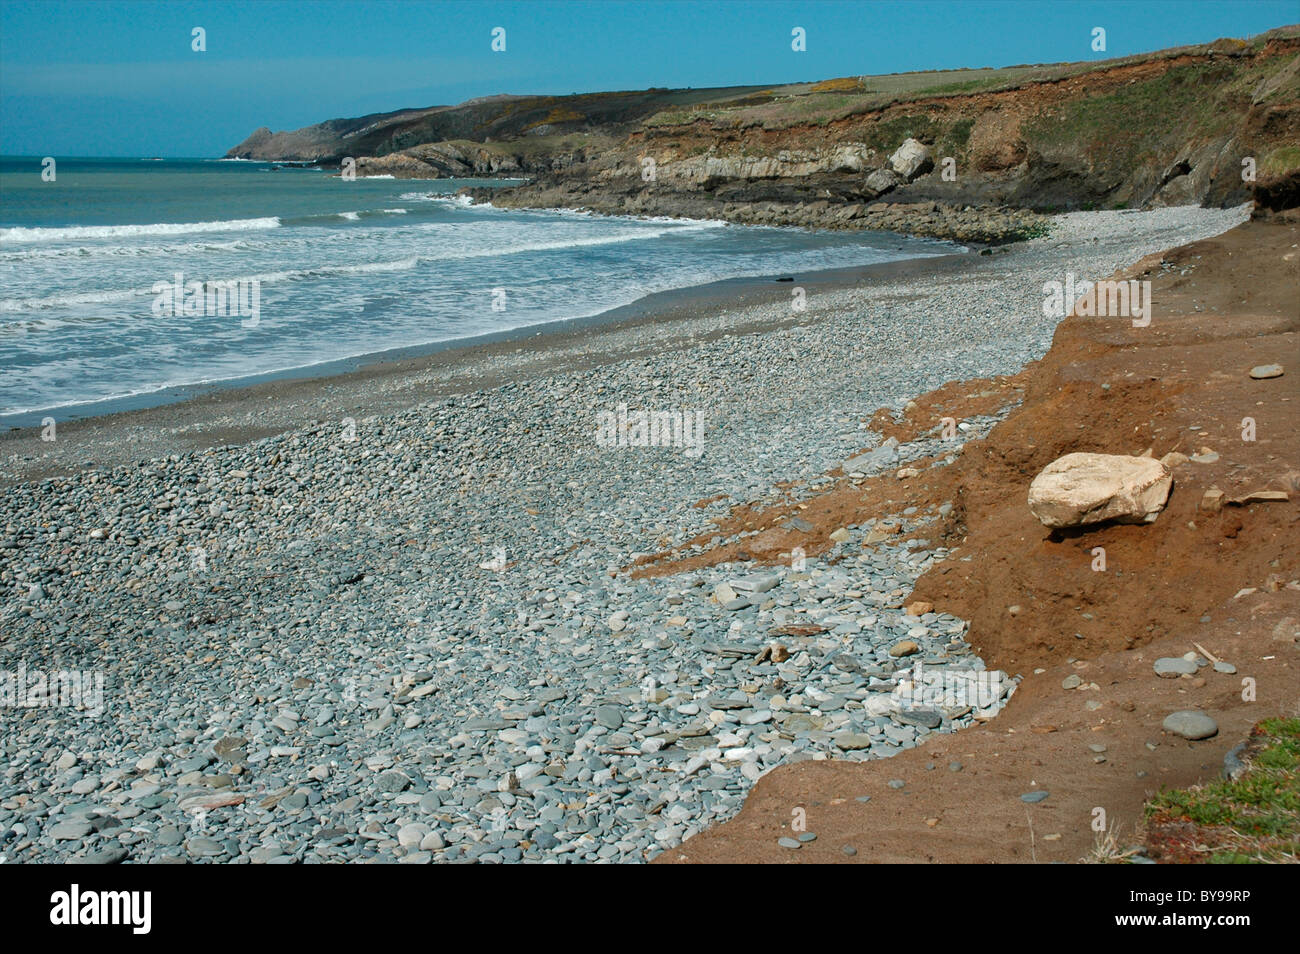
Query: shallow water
{"type": "Point", "coordinates": [330, 269]}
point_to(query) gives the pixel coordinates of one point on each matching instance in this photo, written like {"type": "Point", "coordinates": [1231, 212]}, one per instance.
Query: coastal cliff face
{"type": "Point", "coordinates": [990, 149]}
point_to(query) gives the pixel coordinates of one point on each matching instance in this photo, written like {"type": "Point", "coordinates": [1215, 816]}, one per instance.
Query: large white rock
{"type": "Point", "coordinates": [911, 159]}
{"type": "Point", "coordinates": [1080, 489]}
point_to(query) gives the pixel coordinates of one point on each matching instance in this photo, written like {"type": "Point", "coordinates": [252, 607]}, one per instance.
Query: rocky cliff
{"type": "Point", "coordinates": [972, 154]}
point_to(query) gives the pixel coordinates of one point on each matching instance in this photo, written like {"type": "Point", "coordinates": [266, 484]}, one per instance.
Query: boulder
{"type": "Point", "coordinates": [911, 159]}
{"type": "Point", "coordinates": [851, 157]}
{"type": "Point", "coordinates": [882, 181]}
{"type": "Point", "coordinates": [1080, 489]}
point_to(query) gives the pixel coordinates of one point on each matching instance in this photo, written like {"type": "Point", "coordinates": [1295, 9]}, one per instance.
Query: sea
{"type": "Point", "coordinates": [96, 256]}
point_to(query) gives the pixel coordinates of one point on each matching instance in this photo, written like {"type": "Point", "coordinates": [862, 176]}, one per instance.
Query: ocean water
{"type": "Point", "coordinates": [341, 269]}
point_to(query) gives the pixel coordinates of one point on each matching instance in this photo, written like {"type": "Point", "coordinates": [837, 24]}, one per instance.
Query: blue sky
{"type": "Point", "coordinates": [97, 77]}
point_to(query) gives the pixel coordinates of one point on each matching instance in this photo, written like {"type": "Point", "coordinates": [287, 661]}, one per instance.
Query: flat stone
{"type": "Point", "coordinates": [728, 702]}
{"type": "Point", "coordinates": [905, 647]}
{"type": "Point", "coordinates": [71, 830]}
{"type": "Point", "coordinates": [1191, 724]}
{"type": "Point", "coordinates": [788, 843]}
{"type": "Point", "coordinates": [204, 847]}
{"type": "Point", "coordinates": [929, 718]}
{"type": "Point", "coordinates": [756, 583]}
{"type": "Point", "coordinates": [108, 856]}
{"type": "Point", "coordinates": [611, 717]}
{"type": "Point", "coordinates": [197, 803]}
{"type": "Point", "coordinates": [486, 724]}
{"type": "Point", "coordinates": [1071, 681]}
{"type": "Point", "coordinates": [1033, 797]}
{"type": "Point", "coordinates": [1263, 371]}
{"type": "Point", "coordinates": [1225, 667]}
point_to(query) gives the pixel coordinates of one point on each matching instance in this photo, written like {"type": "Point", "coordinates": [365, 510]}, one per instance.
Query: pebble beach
{"type": "Point", "coordinates": [411, 634]}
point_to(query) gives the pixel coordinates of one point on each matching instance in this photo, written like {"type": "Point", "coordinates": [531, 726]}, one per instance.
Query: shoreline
{"type": "Point", "coordinates": [646, 308]}
{"type": "Point", "coordinates": [207, 415]}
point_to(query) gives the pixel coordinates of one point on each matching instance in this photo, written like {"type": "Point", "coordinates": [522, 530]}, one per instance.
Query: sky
{"type": "Point", "coordinates": [121, 77]}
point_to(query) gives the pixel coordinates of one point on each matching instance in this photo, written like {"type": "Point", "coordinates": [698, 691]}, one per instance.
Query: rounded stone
{"type": "Point", "coordinates": [1262, 371]}
{"type": "Point", "coordinates": [1191, 724]}
{"type": "Point", "coordinates": [1171, 667]}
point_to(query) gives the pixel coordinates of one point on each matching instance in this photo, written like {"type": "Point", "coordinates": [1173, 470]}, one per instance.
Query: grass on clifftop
{"type": "Point", "coordinates": [1280, 161]}
{"type": "Point", "coordinates": [831, 100]}
{"type": "Point", "coordinates": [1254, 819]}
{"type": "Point", "coordinates": [1130, 127]}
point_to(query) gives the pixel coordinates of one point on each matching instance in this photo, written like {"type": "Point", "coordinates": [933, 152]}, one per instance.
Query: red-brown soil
{"type": "Point", "coordinates": [1221, 307]}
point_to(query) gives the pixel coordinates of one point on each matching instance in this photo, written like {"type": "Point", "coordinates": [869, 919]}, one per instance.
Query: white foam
{"type": "Point", "coordinates": [107, 296]}
{"type": "Point", "coordinates": [12, 305]}
{"type": "Point", "coordinates": [65, 251]}
{"type": "Point", "coordinates": [82, 232]}
{"type": "Point", "coordinates": [450, 198]}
